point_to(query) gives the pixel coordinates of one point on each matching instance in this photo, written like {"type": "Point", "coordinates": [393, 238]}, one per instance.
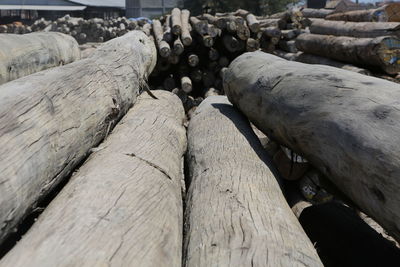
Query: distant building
{"type": "Point", "coordinates": [316, 3]}
{"type": "Point", "coordinates": [149, 8]}
{"type": "Point", "coordinates": [12, 10]}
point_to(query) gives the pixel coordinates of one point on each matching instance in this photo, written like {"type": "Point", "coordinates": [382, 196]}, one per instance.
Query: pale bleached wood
{"type": "Point", "coordinates": [124, 205]}
{"type": "Point", "coordinates": [50, 120]}
{"type": "Point", "coordinates": [236, 214]}
{"type": "Point", "coordinates": [21, 55]}
{"type": "Point", "coordinates": [346, 124]}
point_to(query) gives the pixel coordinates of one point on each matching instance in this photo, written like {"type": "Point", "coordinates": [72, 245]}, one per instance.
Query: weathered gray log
{"type": "Point", "coordinates": [304, 106]}
{"type": "Point", "coordinates": [279, 23]}
{"type": "Point", "coordinates": [252, 45]}
{"type": "Point", "coordinates": [380, 52]}
{"type": "Point", "coordinates": [163, 47]}
{"type": "Point", "coordinates": [176, 21]}
{"type": "Point", "coordinates": [178, 46]}
{"type": "Point", "coordinates": [21, 55]}
{"type": "Point", "coordinates": [193, 60]}
{"type": "Point", "coordinates": [186, 37]}
{"type": "Point", "coordinates": [50, 120]}
{"type": "Point", "coordinates": [355, 29]}
{"type": "Point", "coordinates": [124, 206]}
{"type": "Point", "coordinates": [236, 213]}
{"type": "Point", "coordinates": [316, 13]}
{"type": "Point", "coordinates": [313, 59]}
{"type": "Point", "coordinates": [167, 34]}
{"type": "Point", "coordinates": [290, 34]}
{"type": "Point", "coordinates": [254, 24]}
{"type": "Point", "coordinates": [272, 32]}
{"type": "Point", "coordinates": [200, 26]}
{"type": "Point", "coordinates": [186, 84]}
{"type": "Point", "coordinates": [386, 13]}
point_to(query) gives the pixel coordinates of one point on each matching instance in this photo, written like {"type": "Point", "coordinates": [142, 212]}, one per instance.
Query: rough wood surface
{"type": "Point", "coordinates": [236, 214]}
{"type": "Point", "coordinates": [50, 120]}
{"type": "Point", "coordinates": [124, 205]}
{"type": "Point", "coordinates": [176, 21]}
{"type": "Point", "coordinates": [313, 59]}
{"type": "Point", "coordinates": [379, 52]}
{"type": "Point", "coordinates": [305, 106]}
{"type": "Point", "coordinates": [316, 13]}
{"type": "Point", "coordinates": [22, 55]}
{"type": "Point", "coordinates": [355, 29]}
{"type": "Point", "coordinates": [163, 47]}
{"type": "Point", "coordinates": [186, 37]}
{"type": "Point", "coordinates": [387, 13]}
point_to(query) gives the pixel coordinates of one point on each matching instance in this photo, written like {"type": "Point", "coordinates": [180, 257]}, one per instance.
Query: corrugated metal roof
{"type": "Point", "coordinates": [38, 2]}
{"type": "Point", "coordinates": [37, 7]}
{"type": "Point", "coordinates": [101, 3]}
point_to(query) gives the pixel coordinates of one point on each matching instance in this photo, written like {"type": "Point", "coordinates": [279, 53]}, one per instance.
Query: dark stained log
{"type": "Point", "coordinates": [236, 213]}
{"type": "Point", "coordinates": [252, 45]}
{"type": "Point", "coordinates": [380, 52]}
{"type": "Point", "coordinates": [304, 106]}
{"type": "Point", "coordinates": [288, 46]}
{"type": "Point", "coordinates": [167, 34]}
{"type": "Point", "coordinates": [193, 60]}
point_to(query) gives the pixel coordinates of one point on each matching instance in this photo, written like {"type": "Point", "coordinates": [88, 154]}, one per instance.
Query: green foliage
{"type": "Point", "coordinates": [258, 7]}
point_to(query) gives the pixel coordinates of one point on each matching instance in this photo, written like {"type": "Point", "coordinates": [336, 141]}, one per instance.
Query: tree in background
{"type": "Point", "coordinates": [258, 7]}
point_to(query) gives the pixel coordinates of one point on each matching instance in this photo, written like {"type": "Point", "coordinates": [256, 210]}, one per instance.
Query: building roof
{"type": "Point", "coordinates": [45, 7]}
{"type": "Point", "coordinates": [334, 4]}
{"type": "Point", "coordinates": [100, 3]}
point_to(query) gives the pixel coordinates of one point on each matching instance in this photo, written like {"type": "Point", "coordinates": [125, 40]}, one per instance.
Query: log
{"type": "Point", "coordinates": [380, 52]}
{"type": "Point", "coordinates": [288, 46]}
{"type": "Point", "coordinates": [232, 218]}
{"type": "Point", "coordinates": [22, 55]}
{"type": "Point", "coordinates": [289, 34]}
{"type": "Point", "coordinates": [243, 32]}
{"type": "Point", "coordinates": [167, 35]}
{"type": "Point", "coordinates": [355, 29]}
{"type": "Point", "coordinates": [254, 24]}
{"type": "Point", "coordinates": [312, 59]}
{"type": "Point", "coordinates": [135, 178]}
{"type": "Point", "coordinates": [303, 106]}
{"type": "Point", "coordinates": [163, 47]}
{"type": "Point", "coordinates": [186, 84]}
{"type": "Point", "coordinates": [316, 13]}
{"type": "Point", "coordinates": [178, 46]}
{"type": "Point", "coordinates": [186, 37]}
{"type": "Point", "coordinates": [386, 13]}
{"type": "Point", "coordinates": [50, 120]}
{"type": "Point", "coordinates": [193, 60]}
{"type": "Point", "coordinates": [252, 45]}
{"type": "Point", "coordinates": [176, 21]}
{"type": "Point", "coordinates": [272, 32]}
{"type": "Point", "coordinates": [279, 23]}
{"type": "Point", "coordinates": [200, 26]}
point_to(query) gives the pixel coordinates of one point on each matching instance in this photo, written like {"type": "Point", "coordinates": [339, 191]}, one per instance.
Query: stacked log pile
{"type": "Point", "coordinates": [92, 30]}
{"type": "Point", "coordinates": [356, 38]}
{"type": "Point", "coordinates": [193, 51]}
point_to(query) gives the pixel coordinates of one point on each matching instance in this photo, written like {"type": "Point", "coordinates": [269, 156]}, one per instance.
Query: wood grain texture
{"type": "Point", "coordinates": [346, 124]}
{"type": "Point", "coordinates": [50, 120]}
{"type": "Point", "coordinates": [236, 214]}
{"type": "Point", "coordinates": [355, 29]}
{"type": "Point", "coordinates": [21, 55]}
{"type": "Point", "coordinates": [124, 205]}
{"type": "Point", "coordinates": [380, 52]}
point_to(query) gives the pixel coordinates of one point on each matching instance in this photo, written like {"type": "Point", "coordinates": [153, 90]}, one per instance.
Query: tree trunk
{"type": "Point", "coordinates": [312, 59]}
{"type": "Point", "coordinates": [387, 13]}
{"type": "Point", "coordinates": [128, 190]}
{"type": "Point", "coordinates": [355, 29]}
{"type": "Point", "coordinates": [236, 213]}
{"type": "Point", "coordinates": [22, 55]}
{"type": "Point", "coordinates": [336, 119]}
{"type": "Point", "coordinates": [50, 120]}
{"type": "Point", "coordinates": [380, 52]}
{"type": "Point", "coordinates": [316, 13]}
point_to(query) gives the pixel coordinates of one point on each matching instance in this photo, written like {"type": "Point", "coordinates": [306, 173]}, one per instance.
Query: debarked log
{"type": "Point", "coordinates": [236, 213]}
{"type": "Point", "coordinates": [379, 52]}
{"type": "Point", "coordinates": [50, 120]}
{"type": "Point", "coordinates": [22, 55]}
{"type": "Point", "coordinates": [344, 123]}
{"type": "Point", "coordinates": [123, 207]}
